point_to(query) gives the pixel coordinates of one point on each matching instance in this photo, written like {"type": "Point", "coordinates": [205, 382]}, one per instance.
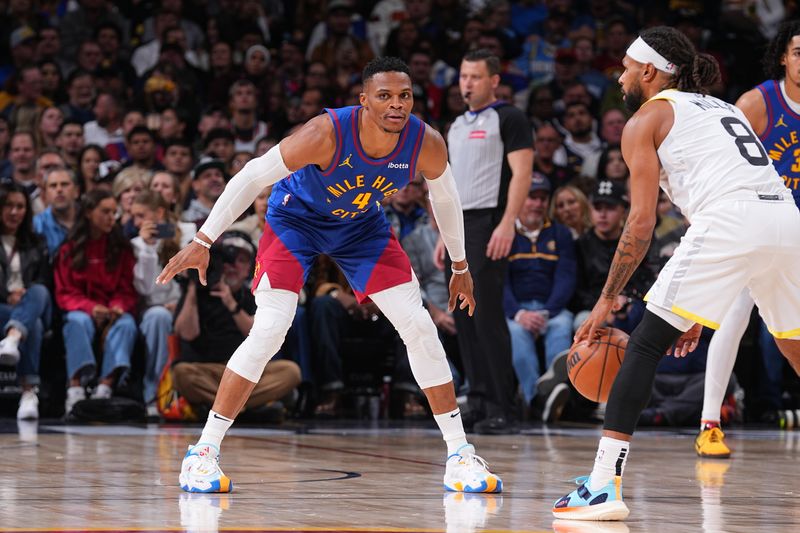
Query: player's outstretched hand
{"type": "Point", "coordinates": [461, 289]}
{"type": "Point", "coordinates": [193, 255]}
{"type": "Point", "coordinates": [597, 319]}
{"type": "Point", "coordinates": [687, 342]}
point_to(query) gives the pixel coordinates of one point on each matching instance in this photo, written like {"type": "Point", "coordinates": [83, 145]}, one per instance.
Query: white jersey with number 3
{"type": "Point", "coordinates": [712, 153]}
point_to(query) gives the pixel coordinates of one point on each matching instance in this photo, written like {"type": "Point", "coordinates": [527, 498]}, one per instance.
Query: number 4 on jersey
{"type": "Point", "coordinates": [362, 200]}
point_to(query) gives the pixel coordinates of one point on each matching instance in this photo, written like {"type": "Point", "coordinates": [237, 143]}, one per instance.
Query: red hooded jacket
{"type": "Point", "coordinates": [82, 290]}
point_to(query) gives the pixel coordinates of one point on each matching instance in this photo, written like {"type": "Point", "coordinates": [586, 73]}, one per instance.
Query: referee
{"type": "Point", "coordinates": [491, 155]}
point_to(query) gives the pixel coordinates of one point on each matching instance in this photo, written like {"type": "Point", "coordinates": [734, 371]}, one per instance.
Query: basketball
{"type": "Point", "coordinates": [592, 369]}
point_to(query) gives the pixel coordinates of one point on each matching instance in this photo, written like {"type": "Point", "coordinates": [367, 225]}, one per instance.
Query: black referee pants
{"type": "Point", "coordinates": [483, 339]}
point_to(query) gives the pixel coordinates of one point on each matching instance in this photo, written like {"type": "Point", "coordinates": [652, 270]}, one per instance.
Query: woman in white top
{"type": "Point", "coordinates": [161, 235]}
{"type": "Point", "coordinates": [25, 305]}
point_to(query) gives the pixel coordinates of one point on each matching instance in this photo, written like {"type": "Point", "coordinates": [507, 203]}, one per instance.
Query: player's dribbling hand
{"type": "Point", "coordinates": [687, 342]}
{"type": "Point", "coordinates": [597, 319]}
{"type": "Point", "coordinates": [461, 289]}
{"type": "Point", "coordinates": [192, 255]}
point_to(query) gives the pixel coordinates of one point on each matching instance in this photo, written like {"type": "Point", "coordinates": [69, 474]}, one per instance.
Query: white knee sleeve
{"type": "Point", "coordinates": [276, 309]}
{"type": "Point", "coordinates": [402, 305]}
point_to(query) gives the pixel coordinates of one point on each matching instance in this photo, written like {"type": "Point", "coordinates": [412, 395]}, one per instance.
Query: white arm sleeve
{"type": "Point", "coordinates": [446, 207]}
{"type": "Point", "coordinates": [243, 189]}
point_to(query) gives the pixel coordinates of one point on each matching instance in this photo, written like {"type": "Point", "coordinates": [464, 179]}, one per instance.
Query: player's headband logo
{"type": "Point", "coordinates": [644, 53]}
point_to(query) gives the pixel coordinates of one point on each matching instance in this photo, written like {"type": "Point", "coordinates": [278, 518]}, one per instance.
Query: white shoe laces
{"type": "Point", "coordinates": [206, 463]}
{"type": "Point", "coordinates": [473, 462]}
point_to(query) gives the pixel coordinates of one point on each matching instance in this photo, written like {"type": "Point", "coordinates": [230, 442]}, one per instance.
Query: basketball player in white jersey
{"type": "Point", "coordinates": [743, 233]}
{"type": "Point", "coordinates": [773, 109]}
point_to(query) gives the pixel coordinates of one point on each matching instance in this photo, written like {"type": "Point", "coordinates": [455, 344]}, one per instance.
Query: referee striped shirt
{"type": "Point", "coordinates": [478, 143]}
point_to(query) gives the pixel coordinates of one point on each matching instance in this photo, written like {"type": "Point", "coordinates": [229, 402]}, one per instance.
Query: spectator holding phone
{"type": "Point", "coordinates": [94, 287]}
{"type": "Point", "coordinates": [160, 237]}
{"type": "Point", "coordinates": [127, 184]}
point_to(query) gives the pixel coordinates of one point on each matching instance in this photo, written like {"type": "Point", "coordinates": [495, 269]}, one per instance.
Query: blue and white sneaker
{"type": "Point", "coordinates": [467, 472]}
{"type": "Point", "coordinates": [583, 504]}
{"type": "Point", "coordinates": [200, 471]}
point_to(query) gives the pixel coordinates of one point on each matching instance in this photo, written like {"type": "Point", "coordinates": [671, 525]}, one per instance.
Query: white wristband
{"type": "Point", "coordinates": [202, 243]}
{"type": "Point", "coordinates": [462, 271]}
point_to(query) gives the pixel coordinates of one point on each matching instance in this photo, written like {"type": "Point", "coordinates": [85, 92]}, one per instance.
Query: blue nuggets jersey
{"type": "Point", "coordinates": [336, 211]}
{"type": "Point", "coordinates": [354, 184]}
{"type": "Point", "coordinates": [780, 138]}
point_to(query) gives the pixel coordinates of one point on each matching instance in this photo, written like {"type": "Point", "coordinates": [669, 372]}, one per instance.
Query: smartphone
{"type": "Point", "coordinates": [165, 230]}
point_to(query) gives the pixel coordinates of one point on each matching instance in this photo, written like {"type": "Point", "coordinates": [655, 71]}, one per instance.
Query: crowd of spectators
{"type": "Point", "coordinates": [121, 122]}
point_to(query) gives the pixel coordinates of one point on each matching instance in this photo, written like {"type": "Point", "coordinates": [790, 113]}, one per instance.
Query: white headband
{"type": "Point", "coordinates": [643, 53]}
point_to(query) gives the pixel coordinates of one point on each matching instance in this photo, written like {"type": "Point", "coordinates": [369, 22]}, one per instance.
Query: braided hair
{"type": "Point", "coordinates": [696, 72]}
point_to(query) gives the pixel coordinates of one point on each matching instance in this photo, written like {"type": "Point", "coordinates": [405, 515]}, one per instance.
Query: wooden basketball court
{"type": "Point", "coordinates": [361, 477]}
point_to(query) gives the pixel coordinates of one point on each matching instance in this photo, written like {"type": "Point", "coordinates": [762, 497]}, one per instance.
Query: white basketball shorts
{"type": "Point", "coordinates": [747, 242]}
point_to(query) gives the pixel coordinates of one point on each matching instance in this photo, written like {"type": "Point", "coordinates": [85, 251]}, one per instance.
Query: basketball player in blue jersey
{"type": "Point", "coordinates": [330, 177]}
{"type": "Point", "coordinates": [773, 109]}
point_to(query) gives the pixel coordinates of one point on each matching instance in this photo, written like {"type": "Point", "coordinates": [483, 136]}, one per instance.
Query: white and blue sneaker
{"type": "Point", "coordinates": [467, 472]}
{"type": "Point", "coordinates": [584, 504]}
{"type": "Point", "coordinates": [200, 471]}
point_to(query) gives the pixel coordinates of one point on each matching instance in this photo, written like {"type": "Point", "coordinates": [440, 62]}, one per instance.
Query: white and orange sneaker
{"type": "Point", "coordinates": [200, 471]}
{"type": "Point", "coordinates": [467, 472]}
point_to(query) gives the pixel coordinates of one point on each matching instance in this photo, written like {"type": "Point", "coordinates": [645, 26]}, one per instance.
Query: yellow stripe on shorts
{"type": "Point", "coordinates": [785, 334]}
{"type": "Point", "coordinates": [691, 316]}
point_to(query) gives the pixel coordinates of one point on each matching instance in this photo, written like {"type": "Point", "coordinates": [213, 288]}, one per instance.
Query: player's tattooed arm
{"type": "Point", "coordinates": [630, 252]}
{"type": "Point", "coordinates": [640, 138]}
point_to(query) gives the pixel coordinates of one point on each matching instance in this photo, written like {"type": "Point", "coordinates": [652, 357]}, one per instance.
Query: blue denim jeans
{"type": "Point", "coordinates": [79, 334]}
{"type": "Point", "coordinates": [557, 338]}
{"type": "Point", "coordinates": [155, 327]}
{"type": "Point", "coordinates": [31, 316]}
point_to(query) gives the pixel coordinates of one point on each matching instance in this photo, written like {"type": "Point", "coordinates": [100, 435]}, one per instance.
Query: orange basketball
{"type": "Point", "coordinates": [592, 369]}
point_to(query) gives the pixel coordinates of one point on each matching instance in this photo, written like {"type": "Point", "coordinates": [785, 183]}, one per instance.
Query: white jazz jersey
{"type": "Point", "coordinates": [744, 230]}
{"type": "Point", "coordinates": [711, 153]}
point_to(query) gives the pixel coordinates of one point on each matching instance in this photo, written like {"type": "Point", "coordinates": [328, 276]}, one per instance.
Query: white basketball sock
{"type": "Point", "coordinates": [612, 454]}
{"type": "Point", "coordinates": [452, 430]}
{"type": "Point", "coordinates": [215, 429]}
